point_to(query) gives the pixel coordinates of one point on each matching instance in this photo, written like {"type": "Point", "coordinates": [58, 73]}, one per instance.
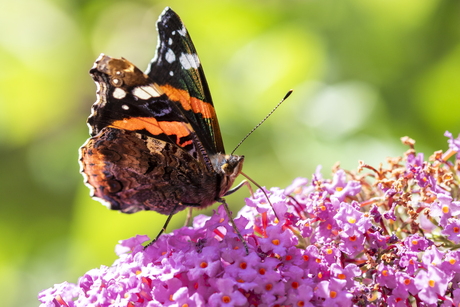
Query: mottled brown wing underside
{"type": "Point", "coordinates": [132, 172]}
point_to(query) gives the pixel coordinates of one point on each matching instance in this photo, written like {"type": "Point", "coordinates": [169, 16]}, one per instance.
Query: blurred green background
{"type": "Point", "coordinates": [364, 73]}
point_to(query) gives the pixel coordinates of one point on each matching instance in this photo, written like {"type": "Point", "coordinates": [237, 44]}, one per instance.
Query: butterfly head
{"type": "Point", "coordinates": [232, 165]}
{"type": "Point", "coordinates": [229, 167]}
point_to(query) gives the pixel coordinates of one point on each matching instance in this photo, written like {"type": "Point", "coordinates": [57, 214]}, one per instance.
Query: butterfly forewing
{"type": "Point", "coordinates": [128, 99]}
{"type": "Point", "coordinates": [176, 68]}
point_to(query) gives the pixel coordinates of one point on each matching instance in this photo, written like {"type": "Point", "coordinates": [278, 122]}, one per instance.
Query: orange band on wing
{"type": "Point", "coordinates": [179, 129]}
{"type": "Point", "coordinates": [176, 128]}
{"type": "Point", "coordinates": [139, 123]}
{"type": "Point", "coordinates": [189, 103]}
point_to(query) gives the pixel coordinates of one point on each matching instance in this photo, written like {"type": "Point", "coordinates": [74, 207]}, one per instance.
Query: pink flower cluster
{"type": "Point", "coordinates": [383, 237]}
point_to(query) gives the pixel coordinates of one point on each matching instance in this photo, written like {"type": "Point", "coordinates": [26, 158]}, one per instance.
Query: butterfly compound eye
{"type": "Point", "coordinates": [227, 169]}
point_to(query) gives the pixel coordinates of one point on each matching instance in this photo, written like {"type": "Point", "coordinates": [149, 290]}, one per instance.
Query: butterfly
{"type": "Point", "coordinates": [155, 139]}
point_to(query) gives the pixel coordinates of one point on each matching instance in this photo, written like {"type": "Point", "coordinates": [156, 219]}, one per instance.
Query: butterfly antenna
{"type": "Point", "coordinates": [285, 97]}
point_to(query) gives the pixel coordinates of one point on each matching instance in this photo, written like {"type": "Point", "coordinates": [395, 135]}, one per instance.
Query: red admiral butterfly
{"type": "Point", "coordinates": [155, 140]}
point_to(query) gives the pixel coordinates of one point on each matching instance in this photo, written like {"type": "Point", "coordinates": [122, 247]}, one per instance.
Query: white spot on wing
{"type": "Point", "coordinates": [145, 92]}
{"type": "Point", "coordinates": [171, 73]}
{"type": "Point", "coordinates": [197, 59]}
{"type": "Point", "coordinates": [125, 107]}
{"type": "Point", "coordinates": [189, 61]}
{"type": "Point", "coordinates": [151, 89]}
{"type": "Point", "coordinates": [170, 56]}
{"type": "Point", "coordinates": [170, 41]}
{"type": "Point", "coordinates": [182, 31]}
{"type": "Point", "coordinates": [119, 93]}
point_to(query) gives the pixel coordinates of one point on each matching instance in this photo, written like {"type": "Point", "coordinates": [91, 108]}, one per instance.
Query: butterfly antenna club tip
{"type": "Point", "coordinates": [287, 95]}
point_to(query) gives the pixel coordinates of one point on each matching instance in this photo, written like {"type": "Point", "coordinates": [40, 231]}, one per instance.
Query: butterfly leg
{"type": "Point", "coordinates": [164, 226]}
{"type": "Point", "coordinates": [242, 183]}
{"type": "Point", "coordinates": [189, 216]}
{"type": "Point", "coordinates": [229, 214]}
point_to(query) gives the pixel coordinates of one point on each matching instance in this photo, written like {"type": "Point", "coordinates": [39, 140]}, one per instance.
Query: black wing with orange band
{"type": "Point", "coordinates": [171, 103]}
{"type": "Point", "coordinates": [129, 100]}
{"type": "Point", "coordinates": [176, 68]}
